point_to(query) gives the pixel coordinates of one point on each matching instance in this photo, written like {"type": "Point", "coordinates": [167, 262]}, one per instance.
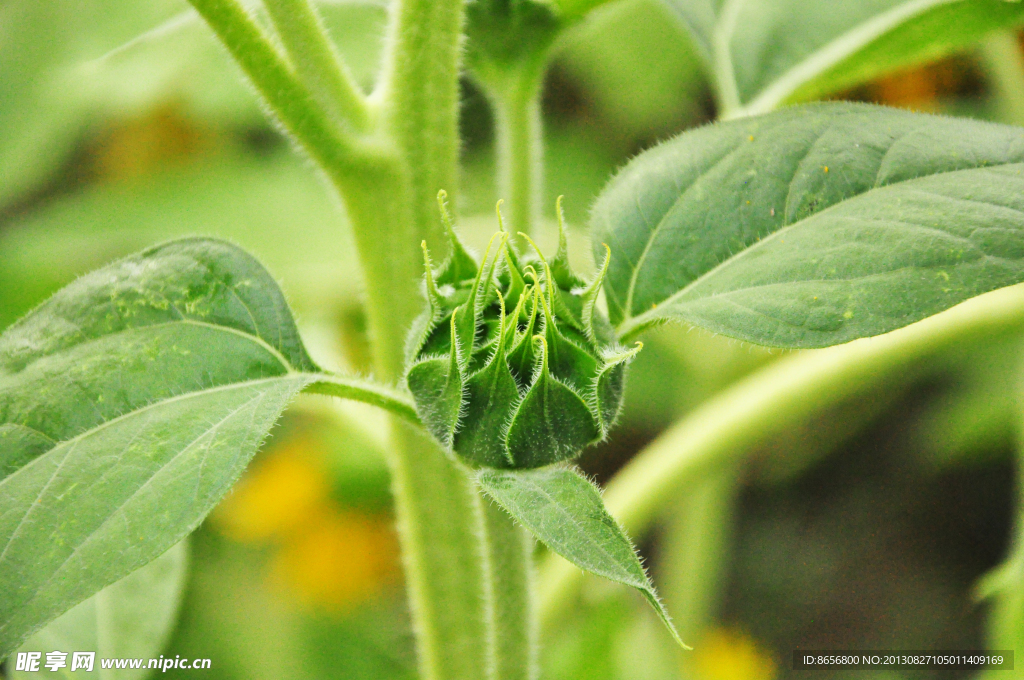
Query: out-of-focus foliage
{"type": "Point", "coordinates": [124, 124]}
{"type": "Point", "coordinates": [132, 618]}
{"type": "Point", "coordinates": [763, 53]}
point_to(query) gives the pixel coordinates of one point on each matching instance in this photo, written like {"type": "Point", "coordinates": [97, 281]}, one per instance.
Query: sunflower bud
{"type": "Point", "coordinates": [512, 365]}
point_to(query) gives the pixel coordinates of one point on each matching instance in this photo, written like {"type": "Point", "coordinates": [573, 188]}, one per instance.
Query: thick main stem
{"type": "Point", "coordinates": [510, 558]}
{"type": "Point", "coordinates": [388, 179]}
{"type": "Point", "coordinates": [440, 523]}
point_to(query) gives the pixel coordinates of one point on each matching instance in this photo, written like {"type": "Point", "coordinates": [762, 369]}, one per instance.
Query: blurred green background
{"type": "Point", "coordinates": [123, 124]}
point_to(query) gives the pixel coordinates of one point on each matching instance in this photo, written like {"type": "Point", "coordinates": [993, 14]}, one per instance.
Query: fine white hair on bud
{"type": "Point", "coordinates": [512, 365]}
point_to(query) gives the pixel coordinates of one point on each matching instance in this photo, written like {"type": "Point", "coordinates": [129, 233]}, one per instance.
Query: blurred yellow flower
{"type": "Point", "coordinates": [275, 496]}
{"type": "Point", "coordinates": [729, 654]}
{"type": "Point", "coordinates": [328, 557]}
{"type": "Point", "coordinates": [338, 559]}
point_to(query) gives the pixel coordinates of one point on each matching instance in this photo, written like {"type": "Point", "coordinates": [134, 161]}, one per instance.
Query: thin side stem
{"type": "Point", "coordinates": [515, 101]}
{"type": "Point", "coordinates": [288, 98]}
{"type": "Point", "coordinates": [725, 429]}
{"type": "Point", "coordinates": [1003, 59]}
{"type": "Point", "coordinates": [317, 62]}
{"type": "Point", "coordinates": [695, 551]}
{"type": "Point", "coordinates": [726, 89]}
{"type": "Point", "coordinates": [514, 628]}
{"type": "Point", "coordinates": [398, 403]}
{"type": "Point", "coordinates": [1004, 585]}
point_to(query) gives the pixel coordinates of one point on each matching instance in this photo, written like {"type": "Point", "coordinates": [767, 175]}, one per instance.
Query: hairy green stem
{"type": "Point", "coordinates": [366, 171]}
{"type": "Point", "coordinates": [510, 558]}
{"type": "Point", "coordinates": [726, 429]}
{"type": "Point", "coordinates": [515, 101]}
{"type": "Point", "coordinates": [389, 181]}
{"type": "Point", "coordinates": [287, 97]}
{"type": "Point", "coordinates": [440, 512]}
{"type": "Point", "coordinates": [384, 190]}
{"type": "Point", "coordinates": [317, 62]}
{"type": "Point", "coordinates": [440, 522]}
{"type": "Point", "coordinates": [398, 403]}
{"type": "Point", "coordinates": [420, 97]}
{"type": "Point", "coordinates": [380, 214]}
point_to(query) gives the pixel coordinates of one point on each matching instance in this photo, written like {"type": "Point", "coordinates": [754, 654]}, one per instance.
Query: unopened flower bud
{"type": "Point", "coordinates": [513, 365]}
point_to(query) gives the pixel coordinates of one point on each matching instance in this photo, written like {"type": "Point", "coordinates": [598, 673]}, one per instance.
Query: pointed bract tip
{"type": "Point", "coordinates": [536, 248]}
{"type": "Point", "coordinates": [561, 225]}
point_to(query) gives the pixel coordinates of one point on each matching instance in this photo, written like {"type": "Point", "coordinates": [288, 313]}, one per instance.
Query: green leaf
{"type": "Point", "coordinates": [132, 618]}
{"type": "Point", "coordinates": [814, 225]}
{"type": "Point", "coordinates": [129, 403]}
{"type": "Point", "coordinates": [762, 54]}
{"type": "Point", "coordinates": [565, 512]}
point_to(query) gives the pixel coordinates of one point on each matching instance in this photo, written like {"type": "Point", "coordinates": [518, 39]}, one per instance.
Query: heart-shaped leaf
{"type": "Point", "coordinates": [129, 403]}
{"type": "Point", "coordinates": [129, 619]}
{"type": "Point", "coordinates": [565, 512]}
{"type": "Point", "coordinates": [761, 54]}
{"type": "Point", "coordinates": [814, 225]}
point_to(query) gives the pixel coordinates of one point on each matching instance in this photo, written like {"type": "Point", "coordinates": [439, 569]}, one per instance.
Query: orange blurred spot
{"type": "Point", "coordinates": [141, 146]}
{"type": "Point", "coordinates": [275, 497]}
{"type": "Point", "coordinates": [340, 558]}
{"type": "Point", "coordinates": [725, 654]}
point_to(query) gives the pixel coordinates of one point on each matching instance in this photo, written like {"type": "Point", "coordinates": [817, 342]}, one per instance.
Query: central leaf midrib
{"type": "Point", "coordinates": [273, 351]}
{"type": "Point", "coordinates": [852, 39]}
{"type": "Point", "coordinates": [625, 325]}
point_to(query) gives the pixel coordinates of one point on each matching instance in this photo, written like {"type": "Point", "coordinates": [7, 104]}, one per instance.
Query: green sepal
{"type": "Point", "coordinates": [468, 316]}
{"type": "Point", "coordinates": [513, 258]}
{"type": "Point", "coordinates": [555, 296]}
{"type": "Point", "coordinates": [491, 394]}
{"type": "Point", "coordinates": [424, 324]}
{"type": "Point", "coordinates": [590, 294]}
{"type": "Point", "coordinates": [610, 385]}
{"type": "Point", "coordinates": [516, 283]}
{"type": "Point", "coordinates": [560, 267]}
{"type": "Point", "coordinates": [522, 357]}
{"type": "Point", "coordinates": [569, 363]}
{"type": "Point", "coordinates": [553, 422]}
{"type": "Point", "coordinates": [437, 387]}
{"type": "Point", "coordinates": [459, 265]}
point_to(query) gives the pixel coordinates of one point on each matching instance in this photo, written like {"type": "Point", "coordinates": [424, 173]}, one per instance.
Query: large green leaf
{"type": "Point", "coordinates": [129, 619]}
{"type": "Point", "coordinates": [565, 512]}
{"type": "Point", "coordinates": [815, 225]}
{"type": "Point", "coordinates": [763, 53]}
{"type": "Point", "coordinates": [129, 403]}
